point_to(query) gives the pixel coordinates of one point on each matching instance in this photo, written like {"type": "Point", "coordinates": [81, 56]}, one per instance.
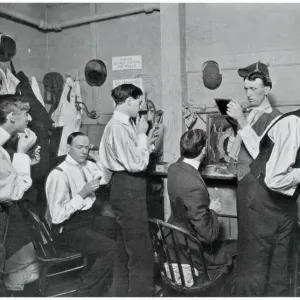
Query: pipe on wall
{"type": "Point", "coordinates": [46, 27]}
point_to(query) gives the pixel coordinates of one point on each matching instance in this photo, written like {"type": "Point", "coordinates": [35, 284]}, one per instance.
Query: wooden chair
{"type": "Point", "coordinates": [48, 256]}
{"type": "Point", "coordinates": [159, 232]}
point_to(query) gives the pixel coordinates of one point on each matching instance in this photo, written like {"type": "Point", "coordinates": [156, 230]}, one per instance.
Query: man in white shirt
{"type": "Point", "coordinates": [125, 150]}
{"type": "Point", "coordinates": [14, 175]}
{"type": "Point", "coordinates": [70, 190]}
{"type": "Point", "coordinates": [266, 203]}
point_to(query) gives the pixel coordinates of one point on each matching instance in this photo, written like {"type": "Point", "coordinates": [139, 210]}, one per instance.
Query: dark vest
{"type": "Point", "coordinates": [258, 166]}
{"type": "Point", "coordinates": [244, 158]}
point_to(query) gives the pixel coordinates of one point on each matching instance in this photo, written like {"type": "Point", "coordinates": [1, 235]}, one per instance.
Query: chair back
{"type": "Point", "coordinates": [40, 233]}
{"type": "Point", "coordinates": [168, 242]}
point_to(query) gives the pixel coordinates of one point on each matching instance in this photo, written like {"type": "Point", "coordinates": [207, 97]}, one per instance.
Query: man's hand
{"type": "Point", "coordinates": [141, 125]}
{"type": "Point", "coordinates": [235, 111]}
{"type": "Point", "coordinates": [90, 187]}
{"type": "Point", "coordinates": [36, 157]}
{"type": "Point", "coordinates": [26, 140]}
{"type": "Point", "coordinates": [215, 205]}
{"type": "Point", "coordinates": [153, 134]}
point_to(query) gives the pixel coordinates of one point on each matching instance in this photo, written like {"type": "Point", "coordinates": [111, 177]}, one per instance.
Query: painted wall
{"type": "Point", "coordinates": [236, 35]}
{"type": "Point", "coordinates": [31, 43]}
{"type": "Point", "coordinates": [71, 49]}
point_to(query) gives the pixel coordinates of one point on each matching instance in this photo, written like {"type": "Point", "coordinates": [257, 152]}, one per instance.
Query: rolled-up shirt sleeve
{"type": "Point", "coordinates": [280, 174]}
{"type": "Point", "coordinates": [61, 204]}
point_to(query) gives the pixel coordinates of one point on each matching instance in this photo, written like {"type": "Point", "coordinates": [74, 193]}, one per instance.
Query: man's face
{"type": "Point", "coordinates": [135, 105]}
{"type": "Point", "coordinates": [79, 148]}
{"type": "Point", "coordinates": [21, 119]}
{"type": "Point", "coordinates": [255, 91]}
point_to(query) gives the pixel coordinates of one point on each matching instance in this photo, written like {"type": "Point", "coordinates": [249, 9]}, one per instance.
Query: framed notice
{"type": "Point", "coordinates": [127, 63]}
{"type": "Point", "coordinates": [136, 81]}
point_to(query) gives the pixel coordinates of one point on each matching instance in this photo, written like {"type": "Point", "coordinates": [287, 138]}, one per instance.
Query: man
{"type": "Point", "coordinates": [70, 190]}
{"type": "Point", "coordinates": [14, 175]}
{"type": "Point", "coordinates": [257, 88]}
{"type": "Point", "coordinates": [124, 150]}
{"type": "Point", "coordinates": [191, 207]}
{"type": "Point", "coordinates": [266, 201]}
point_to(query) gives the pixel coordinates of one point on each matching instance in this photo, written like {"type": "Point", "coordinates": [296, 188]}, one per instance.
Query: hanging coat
{"type": "Point", "coordinates": [36, 90]}
{"type": "Point", "coordinates": [66, 114]}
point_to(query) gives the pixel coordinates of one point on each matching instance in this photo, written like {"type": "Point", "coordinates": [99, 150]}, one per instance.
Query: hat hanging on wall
{"type": "Point", "coordinates": [211, 74]}
{"type": "Point", "coordinates": [8, 47]}
{"type": "Point", "coordinates": [95, 72]}
{"type": "Point", "coordinates": [259, 66]}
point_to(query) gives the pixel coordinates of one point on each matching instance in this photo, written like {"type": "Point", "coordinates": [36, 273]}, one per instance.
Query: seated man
{"type": "Point", "coordinates": [191, 208]}
{"type": "Point", "coordinates": [70, 190]}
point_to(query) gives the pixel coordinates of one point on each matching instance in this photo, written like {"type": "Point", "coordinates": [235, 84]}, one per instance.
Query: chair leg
{"type": "Point", "coordinates": [84, 269]}
{"type": "Point", "coordinates": [42, 282]}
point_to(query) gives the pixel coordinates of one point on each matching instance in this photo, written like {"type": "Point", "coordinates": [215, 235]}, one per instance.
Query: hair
{"type": "Point", "coordinates": [74, 135]}
{"type": "Point", "coordinates": [192, 143]}
{"type": "Point", "coordinates": [11, 103]}
{"type": "Point", "coordinates": [258, 74]}
{"type": "Point", "coordinates": [124, 91]}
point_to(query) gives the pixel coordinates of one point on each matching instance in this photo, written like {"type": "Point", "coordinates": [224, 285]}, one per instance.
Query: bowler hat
{"type": "Point", "coordinates": [8, 47]}
{"type": "Point", "coordinates": [211, 75]}
{"type": "Point", "coordinates": [95, 72]}
{"type": "Point", "coordinates": [259, 66]}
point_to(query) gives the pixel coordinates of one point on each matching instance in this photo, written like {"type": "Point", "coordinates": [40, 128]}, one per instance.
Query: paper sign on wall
{"type": "Point", "coordinates": [136, 81]}
{"type": "Point", "coordinates": [127, 62]}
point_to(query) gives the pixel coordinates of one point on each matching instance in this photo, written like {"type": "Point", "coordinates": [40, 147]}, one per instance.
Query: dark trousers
{"type": "Point", "coordinates": [133, 271]}
{"type": "Point", "coordinates": [93, 236]}
{"type": "Point", "coordinates": [265, 226]}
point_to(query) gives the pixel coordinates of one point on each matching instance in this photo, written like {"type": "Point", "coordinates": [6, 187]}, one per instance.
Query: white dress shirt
{"type": "Point", "coordinates": [14, 176]}
{"type": "Point", "coordinates": [62, 188]}
{"type": "Point", "coordinates": [280, 174]}
{"type": "Point", "coordinates": [121, 148]}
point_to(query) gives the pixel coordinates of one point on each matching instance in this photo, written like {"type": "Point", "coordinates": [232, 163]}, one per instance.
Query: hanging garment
{"type": "Point", "coordinates": [66, 114]}
{"type": "Point", "coordinates": [36, 90]}
{"type": "Point", "coordinates": [41, 125]}
{"type": "Point", "coordinates": [8, 82]}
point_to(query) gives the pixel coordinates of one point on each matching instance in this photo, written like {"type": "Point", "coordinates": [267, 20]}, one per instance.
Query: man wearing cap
{"type": "Point", "coordinates": [266, 206]}
{"type": "Point", "coordinates": [125, 150]}
{"type": "Point", "coordinates": [257, 87]}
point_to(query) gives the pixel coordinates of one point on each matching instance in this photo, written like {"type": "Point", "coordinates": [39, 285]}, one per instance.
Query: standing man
{"type": "Point", "coordinates": [257, 87]}
{"type": "Point", "coordinates": [124, 150]}
{"type": "Point", "coordinates": [266, 200]}
{"type": "Point", "coordinates": [70, 190]}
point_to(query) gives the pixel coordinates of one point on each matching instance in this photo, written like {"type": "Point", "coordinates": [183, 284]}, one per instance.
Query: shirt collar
{"type": "Point", "coordinates": [121, 117]}
{"type": "Point", "coordinates": [4, 136]}
{"type": "Point", "coordinates": [194, 163]}
{"type": "Point", "coordinates": [69, 159]}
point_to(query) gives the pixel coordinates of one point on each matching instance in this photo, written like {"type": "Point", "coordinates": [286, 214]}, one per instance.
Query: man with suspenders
{"type": "Point", "coordinates": [70, 190]}
{"type": "Point", "coordinates": [266, 205]}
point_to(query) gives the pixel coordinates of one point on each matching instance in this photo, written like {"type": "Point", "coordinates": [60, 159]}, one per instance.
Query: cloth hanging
{"type": "Point", "coordinates": [36, 90]}
{"type": "Point", "coordinates": [8, 82]}
{"type": "Point", "coordinates": [66, 114]}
